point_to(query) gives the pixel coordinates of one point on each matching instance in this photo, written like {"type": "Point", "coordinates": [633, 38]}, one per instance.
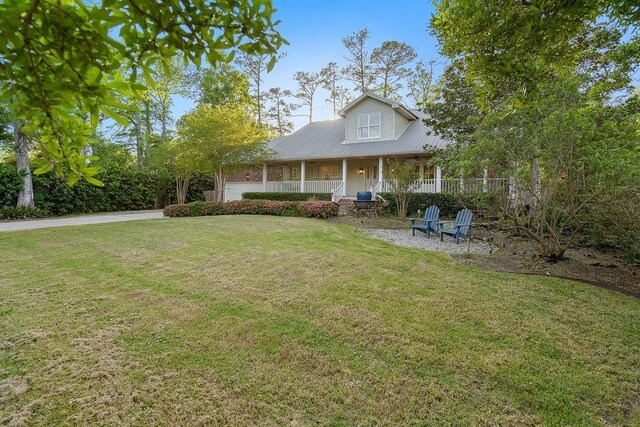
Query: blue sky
{"type": "Point", "coordinates": [315, 30]}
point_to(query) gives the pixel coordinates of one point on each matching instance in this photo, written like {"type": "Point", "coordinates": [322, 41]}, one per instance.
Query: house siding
{"type": "Point", "coordinates": [369, 105]}
{"type": "Point", "coordinates": [400, 124]}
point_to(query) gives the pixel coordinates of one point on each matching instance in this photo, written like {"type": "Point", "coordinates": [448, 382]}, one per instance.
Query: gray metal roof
{"type": "Point", "coordinates": [325, 140]}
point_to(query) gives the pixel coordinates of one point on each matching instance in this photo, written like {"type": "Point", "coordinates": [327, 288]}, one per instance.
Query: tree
{"type": "Point", "coordinates": [565, 134]}
{"type": "Point", "coordinates": [454, 114]}
{"type": "Point", "coordinates": [525, 40]}
{"type": "Point", "coordinates": [222, 86]}
{"type": "Point", "coordinates": [338, 95]}
{"type": "Point", "coordinates": [308, 83]}
{"type": "Point", "coordinates": [421, 84]}
{"type": "Point", "coordinates": [167, 83]}
{"type": "Point", "coordinates": [254, 66]}
{"type": "Point", "coordinates": [389, 62]}
{"type": "Point", "coordinates": [359, 69]}
{"type": "Point", "coordinates": [554, 150]}
{"type": "Point", "coordinates": [63, 56]}
{"type": "Point", "coordinates": [279, 111]}
{"type": "Point", "coordinates": [401, 180]}
{"type": "Point", "coordinates": [221, 140]}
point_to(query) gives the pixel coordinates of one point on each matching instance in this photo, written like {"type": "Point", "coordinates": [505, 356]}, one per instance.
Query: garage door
{"type": "Point", "coordinates": [234, 190]}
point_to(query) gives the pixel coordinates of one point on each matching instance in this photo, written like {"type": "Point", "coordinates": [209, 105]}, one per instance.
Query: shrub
{"type": "Point", "coordinates": [289, 197]}
{"type": "Point", "coordinates": [320, 209]}
{"type": "Point", "coordinates": [449, 205]}
{"type": "Point", "coordinates": [8, 212]}
{"type": "Point", "coordinates": [125, 188]}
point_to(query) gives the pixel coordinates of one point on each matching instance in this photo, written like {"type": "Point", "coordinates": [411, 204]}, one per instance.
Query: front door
{"type": "Point", "coordinates": [371, 176]}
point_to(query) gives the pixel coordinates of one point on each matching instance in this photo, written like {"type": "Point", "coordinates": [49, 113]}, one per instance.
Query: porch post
{"type": "Point", "coordinates": [380, 174]}
{"type": "Point", "coordinates": [485, 180]}
{"type": "Point", "coordinates": [303, 172]}
{"type": "Point", "coordinates": [438, 179]}
{"type": "Point", "coordinates": [344, 177]}
{"type": "Point", "coordinates": [264, 177]}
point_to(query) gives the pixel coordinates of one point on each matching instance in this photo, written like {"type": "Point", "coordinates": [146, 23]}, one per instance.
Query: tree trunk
{"type": "Point", "coordinates": [182, 187]}
{"type": "Point", "coordinates": [220, 185]}
{"type": "Point", "coordinates": [21, 148]}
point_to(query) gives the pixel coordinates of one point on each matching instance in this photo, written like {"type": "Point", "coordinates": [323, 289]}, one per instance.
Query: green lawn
{"type": "Point", "coordinates": [265, 320]}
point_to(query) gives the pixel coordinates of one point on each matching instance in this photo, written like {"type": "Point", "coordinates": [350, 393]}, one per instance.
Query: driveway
{"type": "Point", "coordinates": [79, 220]}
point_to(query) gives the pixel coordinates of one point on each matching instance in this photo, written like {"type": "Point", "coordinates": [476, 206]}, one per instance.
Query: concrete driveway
{"type": "Point", "coordinates": [79, 220]}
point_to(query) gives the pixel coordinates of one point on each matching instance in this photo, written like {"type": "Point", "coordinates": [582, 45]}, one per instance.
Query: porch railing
{"type": "Point", "coordinates": [320, 186]}
{"type": "Point", "coordinates": [283, 186]}
{"type": "Point", "coordinates": [338, 192]}
{"type": "Point", "coordinates": [473, 185]}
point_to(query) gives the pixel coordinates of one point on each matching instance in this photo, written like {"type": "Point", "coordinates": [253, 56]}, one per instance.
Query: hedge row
{"type": "Point", "coordinates": [290, 197]}
{"type": "Point", "coordinates": [11, 212]}
{"type": "Point", "coordinates": [318, 209]}
{"type": "Point", "coordinates": [125, 188]}
{"type": "Point", "coordinates": [449, 204]}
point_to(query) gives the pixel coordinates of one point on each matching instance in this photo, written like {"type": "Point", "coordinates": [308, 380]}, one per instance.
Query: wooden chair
{"type": "Point", "coordinates": [461, 226]}
{"type": "Point", "coordinates": [429, 223]}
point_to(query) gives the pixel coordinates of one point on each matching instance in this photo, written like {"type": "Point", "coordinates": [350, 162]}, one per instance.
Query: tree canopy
{"type": "Point", "coordinates": [63, 60]}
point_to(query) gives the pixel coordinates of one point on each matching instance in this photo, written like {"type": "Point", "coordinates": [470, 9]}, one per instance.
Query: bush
{"type": "Point", "coordinates": [125, 188]}
{"type": "Point", "coordinates": [7, 213]}
{"type": "Point", "coordinates": [289, 197]}
{"type": "Point", "coordinates": [449, 204]}
{"type": "Point", "coordinates": [319, 209]}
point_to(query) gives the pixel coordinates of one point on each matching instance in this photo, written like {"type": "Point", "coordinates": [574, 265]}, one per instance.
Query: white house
{"type": "Point", "coordinates": [349, 154]}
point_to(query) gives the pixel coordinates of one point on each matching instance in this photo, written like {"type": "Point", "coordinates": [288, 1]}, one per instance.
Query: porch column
{"type": "Point", "coordinates": [344, 176]}
{"type": "Point", "coordinates": [303, 170]}
{"type": "Point", "coordinates": [380, 174]}
{"type": "Point", "coordinates": [485, 180]}
{"type": "Point", "coordinates": [438, 179]}
{"type": "Point", "coordinates": [264, 177]}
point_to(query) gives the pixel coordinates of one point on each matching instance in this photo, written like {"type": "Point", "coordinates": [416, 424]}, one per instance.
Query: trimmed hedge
{"type": "Point", "coordinates": [289, 197]}
{"type": "Point", "coordinates": [11, 212]}
{"type": "Point", "coordinates": [320, 209]}
{"type": "Point", "coordinates": [449, 204]}
{"type": "Point", "coordinates": [125, 188]}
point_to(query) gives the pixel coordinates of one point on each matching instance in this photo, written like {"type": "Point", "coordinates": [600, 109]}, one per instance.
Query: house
{"type": "Point", "coordinates": [349, 154]}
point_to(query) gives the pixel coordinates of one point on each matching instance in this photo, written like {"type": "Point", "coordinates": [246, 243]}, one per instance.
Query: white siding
{"type": "Point", "coordinates": [370, 105]}
{"type": "Point", "coordinates": [234, 190]}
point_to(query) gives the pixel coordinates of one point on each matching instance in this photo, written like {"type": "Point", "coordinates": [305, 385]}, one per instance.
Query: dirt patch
{"type": "Point", "coordinates": [591, 265]}
{"type": "Point", "coordinates": [12, 387]}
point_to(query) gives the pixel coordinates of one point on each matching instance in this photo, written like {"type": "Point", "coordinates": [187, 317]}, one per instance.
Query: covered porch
{"type": "Point", "coordinates": [343, 178]}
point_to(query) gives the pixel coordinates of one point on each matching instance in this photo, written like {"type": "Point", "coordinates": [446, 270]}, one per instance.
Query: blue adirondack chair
{"type": "Point", "coordinates": [429, 223]}
{"type": "Point", "coordinates": [461, 226]}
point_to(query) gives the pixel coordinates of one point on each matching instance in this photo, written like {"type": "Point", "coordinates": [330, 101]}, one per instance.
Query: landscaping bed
{"type": "Point", "coordinates": [605, 267]}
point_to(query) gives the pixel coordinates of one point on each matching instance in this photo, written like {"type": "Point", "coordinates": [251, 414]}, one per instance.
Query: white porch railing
{"type": "Point", "coordinates": [473, 185]}
{"type": "Point", "coordinates": [338, 192]}
{"type": "Point", "coordinates": [320, 186]}
{"type": "Point", "coordinates": [283, 186]}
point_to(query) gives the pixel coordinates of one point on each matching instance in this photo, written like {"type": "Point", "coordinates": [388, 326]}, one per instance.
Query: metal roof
{"type": "Point", "coordinates": [326, 140]}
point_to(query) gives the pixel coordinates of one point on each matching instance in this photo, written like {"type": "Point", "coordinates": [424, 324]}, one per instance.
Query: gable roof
{"type": "Point", "coordinates": [326, 140]}
{"type": "Point", "coordinates": [404, 111]}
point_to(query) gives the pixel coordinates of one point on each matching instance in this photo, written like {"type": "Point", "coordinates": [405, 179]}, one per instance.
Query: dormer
{"type": "Point", "coordinates": [372, 118]}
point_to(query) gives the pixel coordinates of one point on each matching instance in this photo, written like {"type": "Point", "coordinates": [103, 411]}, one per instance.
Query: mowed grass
{"type": "Point", "coordinates": [244, 320]}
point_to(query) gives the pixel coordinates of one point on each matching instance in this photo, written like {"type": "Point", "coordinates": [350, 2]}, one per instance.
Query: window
{"type": "Point", "coordinates": [329, 171]}
{"type": "Point", "coordinates": [369, 126]}
{"type": "Point", "coordinates": [294, 173]}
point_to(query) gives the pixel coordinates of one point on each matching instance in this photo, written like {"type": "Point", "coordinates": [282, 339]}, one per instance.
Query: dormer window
{"type": "Point", "coordinates": [369, 126]}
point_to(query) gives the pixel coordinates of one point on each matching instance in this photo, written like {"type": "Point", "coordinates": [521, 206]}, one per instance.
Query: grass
{"type": "Point", "coordinates": [265, 320]}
